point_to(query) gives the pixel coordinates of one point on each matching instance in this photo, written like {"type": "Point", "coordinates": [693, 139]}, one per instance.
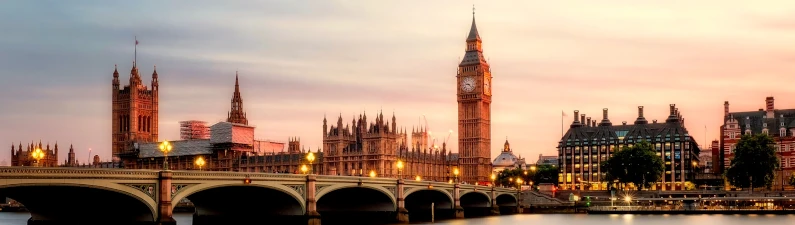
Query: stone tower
{"type": "Point", "coordinates": [236, 114]}
{"type": "Point", "coordinates": [474, 111]}
{"type": "Point", "coordinates": [135, 112]}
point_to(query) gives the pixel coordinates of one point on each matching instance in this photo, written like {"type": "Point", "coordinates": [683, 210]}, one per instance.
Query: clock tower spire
{"type": "Point", "coordinates": [474, 110]}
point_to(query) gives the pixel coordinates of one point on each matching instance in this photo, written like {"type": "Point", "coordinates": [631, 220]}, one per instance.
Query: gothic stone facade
{"type": "Point", "coordinates": [21, 157]}
{"type": "Point", "coordinates": [587, 144]}
{"type": "Point", "coordinates": [778, 123]}
{"type": "Point", "coordinates": [474, 111]}
{"type": "Point", "coordinates": [135, 113]}
{"type": "Point", "coordinates": [363, 147]}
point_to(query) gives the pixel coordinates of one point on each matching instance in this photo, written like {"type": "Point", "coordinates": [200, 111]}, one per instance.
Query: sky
{"type": "Point", "coordinates": [299, 61]}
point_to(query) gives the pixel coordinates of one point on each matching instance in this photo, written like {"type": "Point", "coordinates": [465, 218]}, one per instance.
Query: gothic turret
{"type": "Point", "coordinates": [236, 114]}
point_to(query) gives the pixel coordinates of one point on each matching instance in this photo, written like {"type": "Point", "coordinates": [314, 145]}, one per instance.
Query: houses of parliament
{"type": "Point", "coordinates": [364, 147]}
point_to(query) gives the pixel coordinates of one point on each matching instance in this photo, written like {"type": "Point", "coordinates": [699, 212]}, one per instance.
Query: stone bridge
{"type": "Point", "coordinates": [116, 196]}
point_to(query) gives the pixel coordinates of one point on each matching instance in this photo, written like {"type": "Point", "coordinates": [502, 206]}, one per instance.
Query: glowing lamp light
{"type": "Point", "coordinates": [304, 168]}
{"type": "Point", "coordinates": [247, 180]}
{"type": "Point", "coordinates": [372, 173]}
{"type": "Point", "coordinates": [418, 178]}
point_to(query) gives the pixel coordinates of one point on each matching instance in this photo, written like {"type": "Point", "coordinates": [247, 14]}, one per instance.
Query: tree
{"type": "Point", "coordinates": [754, 162]}
{"type": "Point", "coordinates": [792, 179]}
{"type": "Point", "coordinates": [508, 177]}
{"type": "Point", "coordinates": [638, 164]}
{"type": "Point", "coordinates": [545, 174]}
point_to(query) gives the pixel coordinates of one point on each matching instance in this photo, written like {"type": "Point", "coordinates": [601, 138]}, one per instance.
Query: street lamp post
{"type": "Point", "coordinates": [372, 173]}
{"type": "Point", "coordinates": [400, 168]}
{"type": "Point", "coordinates": [455, 173]}
{"type": "Point", "coordinates": [165, 147]}
{"type": "Point", "coordinates": [418, 178]}
{"type": "Point", "coordinates": [493, 180]}
{"type": "Point", "coordinates": [199, 162]}
{"type": "Point", "coordinates": [304, 169]}
{"type": "Point", "coordinates": [311, 158]}
{"type": "Point", "coordinates": [38, 154]}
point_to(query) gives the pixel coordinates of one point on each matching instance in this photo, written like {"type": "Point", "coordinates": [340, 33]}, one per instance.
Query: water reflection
{"type": "Point", "coordinates": [9, 218]}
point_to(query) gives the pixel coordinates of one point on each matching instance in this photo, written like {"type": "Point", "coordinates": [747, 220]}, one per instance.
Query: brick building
{"type": "Point", "coordinates": [20, 157]}
{"type": "Point", "coordinates": [778, 123]}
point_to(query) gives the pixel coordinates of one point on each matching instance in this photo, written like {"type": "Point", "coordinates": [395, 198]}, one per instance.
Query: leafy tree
{"type": "Point", "coordinates": [754, 162]}
{"type": "Point", "coordinates": [504, 177]}
{"type": "Point", "coordinates": [792, 179]}
{"type": "Point", "coordinates": [545, 174]}
{"type": "Point", "coordinates": [638, 164]}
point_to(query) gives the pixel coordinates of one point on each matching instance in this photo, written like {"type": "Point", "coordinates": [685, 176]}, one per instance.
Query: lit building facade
{"type": "Point", "coordinates": [587, 144]}
{"type": "Point", "coordinates": [20, 157]}
{"type": "Point", "coordinates": [507, 160]}
{"type": "Point", "coordinates": [778, 123]}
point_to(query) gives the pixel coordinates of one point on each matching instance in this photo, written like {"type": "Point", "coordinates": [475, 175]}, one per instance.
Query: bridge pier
{"type": "Point", "coordinates": [457, 209]}
{"type": "Point", "coordinates": [312, 216]}
{"type": "Point", "coordinates": [495, 209]}
{"type": "Point", "coordinates": [402, 213]}
{"type": "Point", "coordinates": [164, 213]}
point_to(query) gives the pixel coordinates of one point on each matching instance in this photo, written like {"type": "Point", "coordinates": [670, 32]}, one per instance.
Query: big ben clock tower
{"type": "Point", "coordinates": [474, 111]}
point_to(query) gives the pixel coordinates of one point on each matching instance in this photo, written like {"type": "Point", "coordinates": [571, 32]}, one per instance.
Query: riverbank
{"type": "Point", "coordinates": [699, 212]}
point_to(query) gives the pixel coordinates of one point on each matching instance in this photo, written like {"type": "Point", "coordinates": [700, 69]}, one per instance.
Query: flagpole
{"type": "Point", "coordinates": [135, 56]}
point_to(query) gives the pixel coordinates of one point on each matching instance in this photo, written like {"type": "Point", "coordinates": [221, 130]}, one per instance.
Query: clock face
{"type": "Point", "coordinates": [487, 85]}
{"type": "Point", "coordinates": [468, 84]}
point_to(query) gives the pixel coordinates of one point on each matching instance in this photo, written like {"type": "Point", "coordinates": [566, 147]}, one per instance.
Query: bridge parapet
{"type": "Point", "coordinates": [159, 191]}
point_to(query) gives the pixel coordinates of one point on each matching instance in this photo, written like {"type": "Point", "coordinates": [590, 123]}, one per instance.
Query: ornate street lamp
{"type": "Point", "coordinates": [304, 169]}
{"type": "Point", "coordinates": [372, 173]}
{"type": "Point", "coordinates": [418, 178]}
{"type": "Point", "coordinates": [165, 147]}
{"type": "Point", "coordinates": [38, 154]}
{"type": "Point", "coordinates": [399, 167]}
{"type": "Point", "coordinates": [493, 180]}
{"type": "Point", "coordinates": [533, 168]}
{"type": "Point", "coordinates": [311, 158]}
{"type": "Point", "coordinates": [199, 162]}
{"type": "Point", "coordinates": [455, 173]}
{"type": "Point", "coordinates": [519, 183]}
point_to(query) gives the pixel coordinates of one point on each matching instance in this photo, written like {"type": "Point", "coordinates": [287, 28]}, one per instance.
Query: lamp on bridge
{"type": "Point", "coordinates": [372, 173]}
{"type": "Point", "coordinates": [165, 147]}
{"type": "Point", "coordinates": [304, 169]}
{"type": "Point", "coordinates": [533, 168]}
{"type": "Point", "coordinates": [455, 173]}
{"type": "Point", "coordinates": [38, 154]}
{"type": "Point", "coordinates": [493, 180]}
{"type": "Point", "coordinates": [199, 162]}
{"type": "Point", "coordinates": [311, 158]}
{"type": "Point", "coordinates": [519, 183]}
{"type": "Point", "coordinates": [399, 167]}
{"type": "Point", "coordinates": [418, 178]}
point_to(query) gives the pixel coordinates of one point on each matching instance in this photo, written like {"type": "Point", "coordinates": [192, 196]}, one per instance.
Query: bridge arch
{"type": "Point", "coordinates": [377, 194]}
{"type": "Point", "coordinates": [245, 191]}
{"type": "Point", "coordinates": [506, 199]}
{"type": "Point", "coordinates": [475, 199]}
{"type": "Point", "coordinates": [70, 200]}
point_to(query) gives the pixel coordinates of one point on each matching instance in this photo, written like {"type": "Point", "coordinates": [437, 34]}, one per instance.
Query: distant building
{"type": "Point", "coordinates": [21, 157]}
{"type": "Point", "coordinates": [778, 123]}
{"type": "Point", "coordinates": [547, 160]}
{"type": "Point", "coordinates": [507, 160]}
{"type": "Point", "coordinates": [705, 162]}
{"type": "Point", "coordinates": [134, 114]}
{"type": "Point", "coordinates": [193, 129]}
{"type": "Point", "coordinates": [363, 147]}
{"type": "Point", "coordinates": [587, 144]}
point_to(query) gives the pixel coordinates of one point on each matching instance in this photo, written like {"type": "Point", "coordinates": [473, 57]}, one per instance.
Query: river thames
{"type": "Point", "coordinates": [9, 218]}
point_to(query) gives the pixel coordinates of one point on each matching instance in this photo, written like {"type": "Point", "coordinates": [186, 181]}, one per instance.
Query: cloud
{"type": "Point", "coordinates": [299, 61]}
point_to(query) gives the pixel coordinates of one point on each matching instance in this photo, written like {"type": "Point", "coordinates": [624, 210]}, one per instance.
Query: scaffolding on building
{"type": "Point", "coordinates": [193, 129]}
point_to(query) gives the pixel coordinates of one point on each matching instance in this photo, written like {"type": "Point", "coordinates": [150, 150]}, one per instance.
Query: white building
{"type": "Point", "coordinates": [507, 160]}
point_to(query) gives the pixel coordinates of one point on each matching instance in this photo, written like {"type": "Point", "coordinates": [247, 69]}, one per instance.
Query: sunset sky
{"type": "Point", "coordinates": [301, 60]}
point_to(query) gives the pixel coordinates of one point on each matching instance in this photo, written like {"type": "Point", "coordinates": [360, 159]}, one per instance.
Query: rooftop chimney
{"type": "Point", "coordinates": [641, 119]}
{"type": "Point", "coordinates": [769, 107]}
{"type": "Point", "coordinates": [593, 123]}
{"type": "Point", "coordinates": [725, 109]}
{"type": "Point", "coordinates": [672, 117]}
{"type": "Point", "coordinates": [623, 122]}
{"type": "Point", "coordinates": [605, 121]}
{"type": "Point", "coordinates": [654, 121]}
{"type": "Point", "coordinates": [589, 121]}
{"type": "Point", "coordinates": [582, 118]}
{"type": "Point", "coordinates": [576, 122]}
